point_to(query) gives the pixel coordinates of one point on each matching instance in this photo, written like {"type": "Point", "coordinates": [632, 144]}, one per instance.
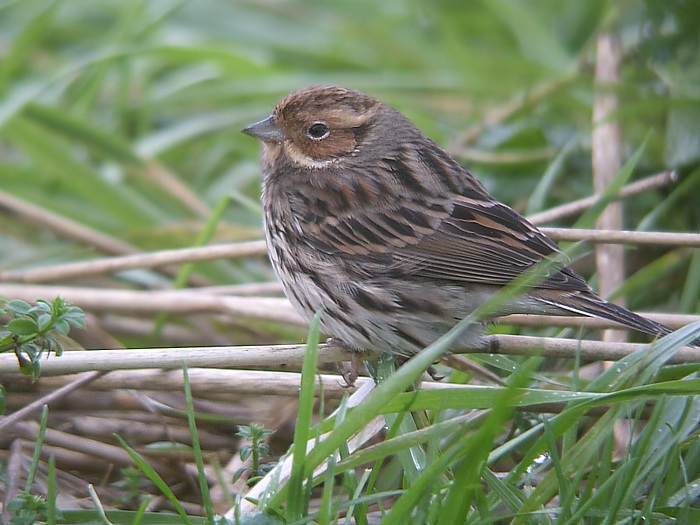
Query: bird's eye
{"type": "Point", "coordinates": [318, 131]}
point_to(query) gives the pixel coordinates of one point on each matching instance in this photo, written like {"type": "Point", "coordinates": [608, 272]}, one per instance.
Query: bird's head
{"type": "Point", "coordinates": [318, 126]}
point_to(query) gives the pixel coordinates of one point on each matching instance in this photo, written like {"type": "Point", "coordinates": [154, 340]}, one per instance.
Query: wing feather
{"type": "Point", "coordinates": [459, 238]}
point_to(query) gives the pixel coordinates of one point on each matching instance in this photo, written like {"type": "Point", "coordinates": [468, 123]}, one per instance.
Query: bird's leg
{"type": "Point", "coordinates": [349, 376]}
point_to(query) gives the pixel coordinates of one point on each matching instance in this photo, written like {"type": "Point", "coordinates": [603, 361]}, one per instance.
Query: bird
{"type": "Point", "coordinates": [370, 220]}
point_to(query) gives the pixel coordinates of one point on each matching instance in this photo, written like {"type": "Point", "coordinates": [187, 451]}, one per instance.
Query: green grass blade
{"type": "Point", "coordinates": [31, 475]}
{"type": "Point", "coordinates": [201, 475]}
{"type": "Point", "coordinates": [52, 511]}
{"type": "Point", "coordinates": [158, 481]}
{"type": "Point", "coordinates": [296, 502]}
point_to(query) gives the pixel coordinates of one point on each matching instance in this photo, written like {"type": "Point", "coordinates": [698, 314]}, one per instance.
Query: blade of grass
{"type": "Point", "coordinates": [51, 510]}
{"type": "Point", "coordinates": [37, 449]}
{"type": "Point", "coordinates": [691, 290]}
{"type": "Point", "coordinates": [155, 478]}
{"type": "Point", "coordinates": [23, 44]}
{"type": "Point", "coordinates": [201, 475]}
{"type": "Point", "coordinates": [98, 505]}
{"type": "Point", "coordinates": [66, 124]}
{"type": "Point", "coordinates": [296, 504]}
{"type": "Point", "coordinates": [474, 453]}
{"type": "Point", "coordinates": [50, 152]}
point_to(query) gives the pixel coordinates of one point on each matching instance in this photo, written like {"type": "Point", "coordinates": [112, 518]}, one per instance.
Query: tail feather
{"type": "Point", "coordinates": [592, 306]}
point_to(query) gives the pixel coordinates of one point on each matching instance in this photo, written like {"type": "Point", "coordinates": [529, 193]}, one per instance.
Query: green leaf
{"type": "Point", "coordinates": [23, 327]}
{"type": "Point", "coordinates": [19, 307]}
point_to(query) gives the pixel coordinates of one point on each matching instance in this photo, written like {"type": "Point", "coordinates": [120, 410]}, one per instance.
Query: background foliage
{"type": "Point", "coordinates": [125, 115]}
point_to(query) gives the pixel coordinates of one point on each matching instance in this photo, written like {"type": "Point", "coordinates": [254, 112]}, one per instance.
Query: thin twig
{"type": "Point", "coordinates": [219, 385]}
{"type": "Point", "coordinates": [213, 383]}
{"type": "Point", "coordinates": [691, 240]}
{"type": "Point", "coordinates": [176, 302]}
{"type": "Point", "coordinates": [581, 205]}
{"type": "Point", "coordinates": [671, 320]}
{"type": "Point", "coordinates": [257, 248]}
{"type": "Point", "coordinates": [112, 453]}
{"type": "Point", "coordinates": [131, 262]}
{"type": "Point", "coordinates": [25, 412]}
{"type": "Point", "coordinates": [12, 475]}
{"type": "Point", "coordinates": [76, 361]}
{"type": "Point", "coordinates": [63, 226]}
{"type": "Point", "coordinates": [270, 356]}
{"type": "Point", "coordinates": [571, 348]}
{"type": "Point", "coordinates": [74, 230]}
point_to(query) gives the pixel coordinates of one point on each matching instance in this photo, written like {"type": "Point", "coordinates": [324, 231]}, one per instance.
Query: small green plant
{"type": "Point", "coordinates": [132, 484]}
{"type": "Point", "coordinates": [28, 509]}
{"type": "Point", "coordinates": [257, 449]}
{"type": "Point", "coordinates": [34, 330]}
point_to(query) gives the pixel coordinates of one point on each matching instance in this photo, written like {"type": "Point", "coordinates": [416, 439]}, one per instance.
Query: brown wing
{"type": "Point", "coordinates": [422, 215]}
{"type": "Point", "coordinates": [484, 241]}
{"type": "Point", "coordinates": [476, 241]}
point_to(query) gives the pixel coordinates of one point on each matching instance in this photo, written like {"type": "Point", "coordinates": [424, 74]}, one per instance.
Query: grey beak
{"type": "Point", "coordinates": [266, 130]}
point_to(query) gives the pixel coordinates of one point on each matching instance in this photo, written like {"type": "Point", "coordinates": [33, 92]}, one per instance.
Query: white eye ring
{"type": "Point", "coordinates": [318, 131]}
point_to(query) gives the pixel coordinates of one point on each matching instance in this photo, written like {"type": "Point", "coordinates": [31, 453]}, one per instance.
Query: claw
{"type": "Point", "coordinates": [349, 376]}
{"type": "Point", "coordinates": [432, 372]}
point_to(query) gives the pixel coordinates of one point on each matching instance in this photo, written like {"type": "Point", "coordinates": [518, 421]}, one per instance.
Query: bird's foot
{"type": "Point", "coordinates": [349, 376]}
{"type": "Point", "coordinates": [433, 373]}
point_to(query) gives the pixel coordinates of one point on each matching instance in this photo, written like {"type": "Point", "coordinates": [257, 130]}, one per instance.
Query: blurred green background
{"type": "Point", "coordinates": [125, 115]}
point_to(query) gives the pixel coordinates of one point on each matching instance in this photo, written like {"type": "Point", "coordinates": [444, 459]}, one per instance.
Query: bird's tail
{"type": "Point", "coordinates": [592, 306]}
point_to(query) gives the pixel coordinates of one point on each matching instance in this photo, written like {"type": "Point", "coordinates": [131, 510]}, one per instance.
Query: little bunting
{"type": "Point", "coordinates": [370, 219]}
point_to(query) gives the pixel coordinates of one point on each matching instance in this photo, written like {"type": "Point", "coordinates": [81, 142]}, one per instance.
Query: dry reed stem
{"type": "Point", "coordinates": [76, 361]}
{"type": "Point", "coordinates": [174, 185]}
{"type": "Point", "coordinates": [176, 302]}
{"type": "Point", "coordinates": [257, 248]}
{"type": "Point", "coordinates": [63, 226]}
{"type": "Point", "coordinates": [212, 383]}
{"type": "Point", "coordinates": [113, 453]}
{"type": "Point", "coordinates": [137, 261]}
{"type": "Point", "coordinates": [12, 474]}
{"type": "Point", "coordinates": [588, 351]}
{"type": "Point", "coordinates": [35, 406]}
{"type": "Point", "coordinates": [138, 427]}
{"type": "Point", "coordinates": [143, 327]}
{"type": "Point", "coordinates": [690, 240]}
{"type": "Point", "coordinates": [72, 362]}
{"type": "Point", "coordinates": [581, 205]}
{"type": "Point", "coordinates": [672, 320]}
